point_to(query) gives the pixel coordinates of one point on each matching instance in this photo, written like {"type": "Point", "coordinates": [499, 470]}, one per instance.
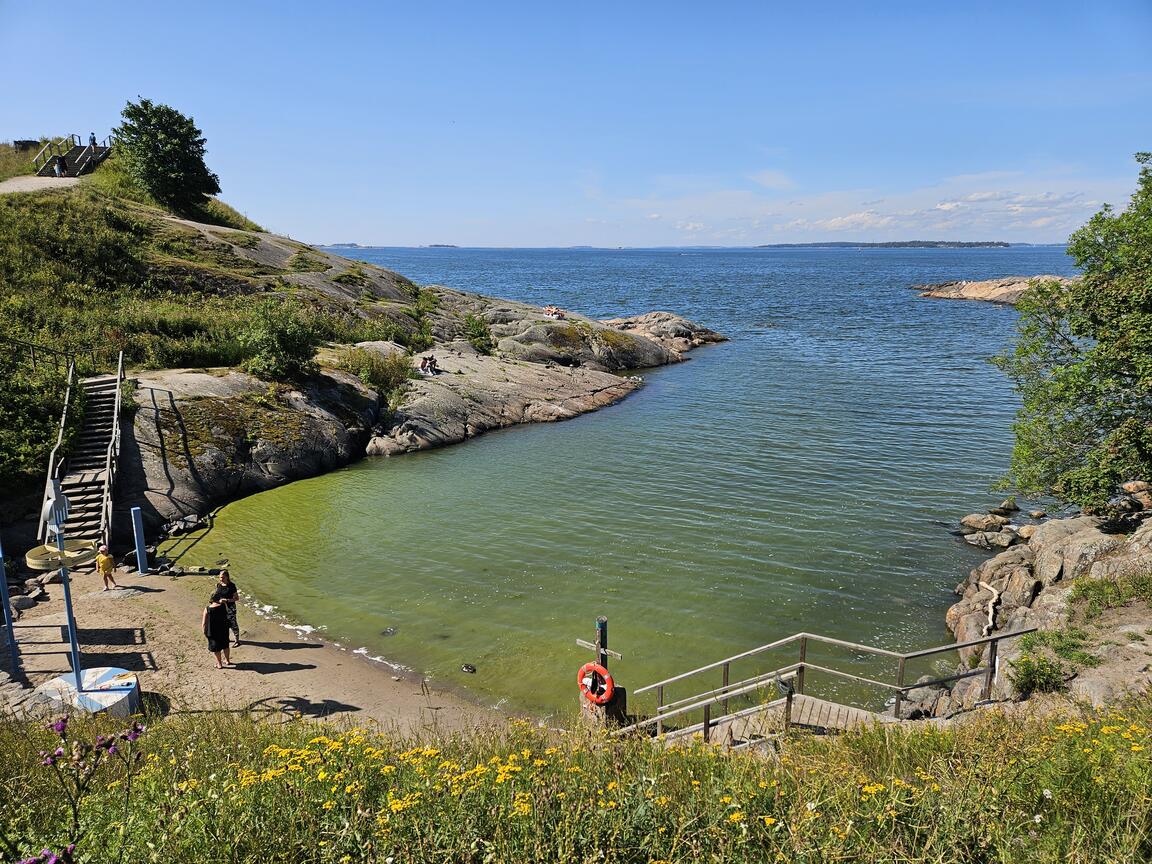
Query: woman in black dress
{"type": "Point", "coordinates": [215, 624]}
{"type": "Point", "coordinates": [226, 590]}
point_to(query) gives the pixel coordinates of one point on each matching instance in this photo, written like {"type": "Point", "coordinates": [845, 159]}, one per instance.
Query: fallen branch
{"type": "Point", "coordinates": [992, 604]}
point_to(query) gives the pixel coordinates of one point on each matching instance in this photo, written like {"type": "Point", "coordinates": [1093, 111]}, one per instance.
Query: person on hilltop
{"type": "Point", "coordinates": [92, 140]}
{"type": "Point", "coordinates": [215, 625]}
{"type": "Point", "coordinates": [227, 593]}
{"type": "Point", "coordinates": [105, 565]}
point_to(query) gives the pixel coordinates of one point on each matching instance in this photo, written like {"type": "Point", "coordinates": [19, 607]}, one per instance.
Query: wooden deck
{"type": "Point", "coordinates": [821, 714]}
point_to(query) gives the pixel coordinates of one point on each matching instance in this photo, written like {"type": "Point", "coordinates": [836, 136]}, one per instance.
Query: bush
{"type": "Point", "coordinates": [1036, 674]}
{"type": "Point", "coordinates": [385, 374]}
{"type": "Point", "coordinates": [1095, 596]}
{"type": "Point", "coordinates": [280, 340]}
{"type": "Point", "coordinates": [476, 331]}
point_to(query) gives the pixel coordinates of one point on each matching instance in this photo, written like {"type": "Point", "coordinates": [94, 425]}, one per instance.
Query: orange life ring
{"type": "Point", "coordinates": [596, 684]}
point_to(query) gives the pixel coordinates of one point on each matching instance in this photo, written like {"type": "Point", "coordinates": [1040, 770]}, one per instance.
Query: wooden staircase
{"type": "Point", "coordinates": [74, 157]}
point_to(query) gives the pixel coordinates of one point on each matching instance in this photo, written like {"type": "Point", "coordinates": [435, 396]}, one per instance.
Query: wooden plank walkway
{"type": "Point", "coordinates": [808, 712]}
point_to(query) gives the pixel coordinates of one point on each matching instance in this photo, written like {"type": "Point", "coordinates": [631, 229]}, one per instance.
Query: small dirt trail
{"type": "Point", "coordinates": [35, 184]}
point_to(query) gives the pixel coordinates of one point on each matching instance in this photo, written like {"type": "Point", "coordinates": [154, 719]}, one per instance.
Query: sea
{"type": "Point", "coordinates": [806, 476]}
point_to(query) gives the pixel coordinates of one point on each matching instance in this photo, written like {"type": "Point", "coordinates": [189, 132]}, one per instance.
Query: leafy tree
{"type": "Point", "coordinates": [280, 340]}
{"type": "Point", "coordinates": [163, 151]}
{"type": "Point", "coordinates": [1083, 362]}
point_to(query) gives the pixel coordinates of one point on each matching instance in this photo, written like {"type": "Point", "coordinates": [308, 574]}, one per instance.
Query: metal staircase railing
{"type": "Point", "coordinates": [111, 457]}
{"type": "Point", "coordinates": [791, 680]}
{"type": "Point", "coordinates": [56, 459]}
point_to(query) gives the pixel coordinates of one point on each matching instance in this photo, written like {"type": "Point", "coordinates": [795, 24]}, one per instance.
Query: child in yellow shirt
{"type": "Point", "coordinates": [105, 564]}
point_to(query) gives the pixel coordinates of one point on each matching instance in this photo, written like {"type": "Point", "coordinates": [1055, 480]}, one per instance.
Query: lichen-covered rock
{"type": "Point", "coordinates": [201, 438]}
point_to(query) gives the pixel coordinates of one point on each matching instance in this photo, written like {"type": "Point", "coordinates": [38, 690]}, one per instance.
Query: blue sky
{"type": "Point", "coordinates": [619, 124]}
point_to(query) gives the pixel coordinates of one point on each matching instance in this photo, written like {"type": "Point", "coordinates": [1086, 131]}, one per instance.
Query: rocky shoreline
{"type": "Point", "coordinates": [203, 437]}
{"type": "Point", "coordinates": [1103, 655]}
{"type": "Point", "coordinates": [1005, 291]}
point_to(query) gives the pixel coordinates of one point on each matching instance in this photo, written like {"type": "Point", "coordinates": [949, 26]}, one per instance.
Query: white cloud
{"type": "Point", "coordinates": [691, 227]}
{"type": "Point", "coordinates": [654, 216]}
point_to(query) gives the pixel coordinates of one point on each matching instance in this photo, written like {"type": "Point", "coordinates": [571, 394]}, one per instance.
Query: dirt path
{"type": "Point", "coordinates": [152, 627]}
{"type": "Point", "coordinates": [35, 184]}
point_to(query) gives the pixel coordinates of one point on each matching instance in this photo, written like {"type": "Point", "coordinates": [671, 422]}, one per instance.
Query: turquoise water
{"type": "Point", "coordinates": [803, 476]}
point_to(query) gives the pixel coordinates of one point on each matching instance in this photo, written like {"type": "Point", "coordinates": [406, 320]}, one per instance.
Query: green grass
{"type": "Point", "coordinates": [216, 786]}
{"type": "Point", "coordinates": [1094, 596]}
{"type": "Point", "coordinates": [1067, 644]}
{"type": "Point", "coordinates": [90, 269]}
{"type": "Point", "coordinates": [18, 163]}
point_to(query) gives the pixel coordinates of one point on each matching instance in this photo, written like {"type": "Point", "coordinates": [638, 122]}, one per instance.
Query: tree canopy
{"type": "Point", "coordinates": [1083, 362]}
{"type": "Point", "coordinates": [163, 151]}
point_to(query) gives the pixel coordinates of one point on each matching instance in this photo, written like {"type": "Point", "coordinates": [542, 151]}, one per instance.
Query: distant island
{"type": "Point", "coordinates": [894, 244]}
{"type": "Point", "coordinates": [443, 246]}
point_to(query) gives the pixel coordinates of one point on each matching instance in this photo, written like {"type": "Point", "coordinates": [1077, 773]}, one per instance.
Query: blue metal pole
{"type": "Point", "coordinates": [138, 533]}
{"type": "Point", "coordinates": [74, 642]}
{"type": "Point", "coordinates": [9, 632]}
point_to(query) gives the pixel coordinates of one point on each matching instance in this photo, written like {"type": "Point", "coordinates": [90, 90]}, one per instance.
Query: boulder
{"type": "Point", "coordinates": [22, 603]}
{"type": "Point", "coordinates": [1025, 532]}
{"type": "Point", "coordinates": [1134, 486]}
{"type": "Point", "coordinates": [982, 522]}
{"type": "Point", "coordinates": [1005, 508]}
{"type": "Point", "coordinates": [1037, 514]}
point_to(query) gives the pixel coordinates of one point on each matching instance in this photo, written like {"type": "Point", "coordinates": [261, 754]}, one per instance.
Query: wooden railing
{"type": "Point", "coordinates": [111, 457]}
{"type": "Point", "coordinates": [790, 679]}
{"type": "Point", "coordinates": [55, 147]}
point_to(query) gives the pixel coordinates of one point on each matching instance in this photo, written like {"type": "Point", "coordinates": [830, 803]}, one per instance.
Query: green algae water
{"type": "Point", "coordinates": [803, 476]}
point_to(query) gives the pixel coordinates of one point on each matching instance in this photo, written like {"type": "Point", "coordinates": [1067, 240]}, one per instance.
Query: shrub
{"type": "Point", "coordinates": [1067, 644]}
{"type": "Point", "coordinates": [280, 340]}
{"type": "Point", "coordinates": [1036, 674]}
{"type": "Point", "coordinates": [476, 331]}
{"type": "Point", "coordinates": [385, 374]}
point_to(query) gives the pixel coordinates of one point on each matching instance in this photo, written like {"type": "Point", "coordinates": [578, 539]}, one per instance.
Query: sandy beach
{"type": "Point", "coordinates": [152, 626]}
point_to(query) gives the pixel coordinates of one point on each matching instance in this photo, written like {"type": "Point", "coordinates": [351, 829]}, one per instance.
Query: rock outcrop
{"type": "Point", "coordinates": [1028, 585]}
{"type": "Point", "coordinates": [1005, 291]}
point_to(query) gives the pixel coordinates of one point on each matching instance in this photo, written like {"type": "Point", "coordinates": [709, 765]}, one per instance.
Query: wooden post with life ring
{"type": "Point", "coordinates": [602, 701]}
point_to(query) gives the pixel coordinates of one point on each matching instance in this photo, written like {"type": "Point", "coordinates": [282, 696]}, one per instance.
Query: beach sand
{"type": "Point", "coordinates": [152, 626]}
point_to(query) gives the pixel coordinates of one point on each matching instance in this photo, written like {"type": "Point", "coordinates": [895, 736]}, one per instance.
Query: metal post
{"type": "Point", "coordinates": [659, 706]}
{"type": "Point", "coordinates": [990, 675]}
{"type": "Point", "coordinates": [138, 532]}
{"type": "Point", "coordinates": [74, 643]}
{"type": "Point", "coordinates": [788, 710]}
{"type": "Point", "coordinates": [9, 632]}
{"type": "Point", "coordinates": [726, 665]}
{"type": "Point", "coordinates": [707, 721]}
{"type": "Point", "coordinates": [900, 686]}
{"type": "Point", "coordinates": [601, 639]}
{"type": "Point", "coordinates": [800, 668]}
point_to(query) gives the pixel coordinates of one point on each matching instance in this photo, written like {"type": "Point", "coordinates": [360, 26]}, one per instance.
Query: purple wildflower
{"type": "Point", "coordinates": [59, 726]}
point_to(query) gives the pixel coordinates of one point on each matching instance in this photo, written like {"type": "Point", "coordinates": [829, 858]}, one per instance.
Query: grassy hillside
{"type": "Point", "coordinates": [16, 163]}
{"type": "Point", "coordinates": [223, 788]}
{"type": "Point", "coordinates": [98, 267]}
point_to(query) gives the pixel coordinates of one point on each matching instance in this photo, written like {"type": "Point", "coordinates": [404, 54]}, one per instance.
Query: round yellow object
{"type": "Point", "coordinates": [76, 552]}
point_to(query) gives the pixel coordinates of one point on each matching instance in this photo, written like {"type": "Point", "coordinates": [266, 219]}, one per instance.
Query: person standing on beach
{"type": "Point", "coordinates": [227, 593]}
{"type": "Point", "coordinates": [105, 565]}
{"type": "Point", "coordinates": [215, 625]}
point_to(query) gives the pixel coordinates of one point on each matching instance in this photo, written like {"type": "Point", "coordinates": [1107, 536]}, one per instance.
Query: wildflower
{"type": "Point", "coordinates": [737, 816]}
{"type": "Point", "coordinates": [60, 727]}
{"type": "Point", "coordinates": [1136, 748]}
{"type": "Point", "coordinates": [768, 820]}
{"type": "Point", "coordinates": [328, 805]}
{"type": "Point", "coordinates": [1037, 818]}
{"type": "Point", "coordinates": [1048, 794]}
{"type": "Point", "coordinates": [726, 799]}
{"type": "Point", "coordinates": [811, 805]}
